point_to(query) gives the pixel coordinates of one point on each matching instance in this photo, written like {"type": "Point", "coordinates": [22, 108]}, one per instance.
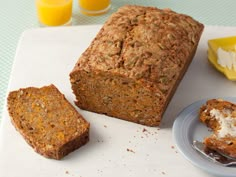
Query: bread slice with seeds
{"type": "Point", "coordinates": [47, 121]}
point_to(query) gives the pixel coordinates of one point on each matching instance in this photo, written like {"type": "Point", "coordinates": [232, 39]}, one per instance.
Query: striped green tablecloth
{"type": "Point", "coordinates": [17, 16]}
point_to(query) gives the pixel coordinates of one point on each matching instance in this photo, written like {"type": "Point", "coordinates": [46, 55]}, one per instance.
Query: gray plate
{"type": "Point", "coordinates": [187, 128]}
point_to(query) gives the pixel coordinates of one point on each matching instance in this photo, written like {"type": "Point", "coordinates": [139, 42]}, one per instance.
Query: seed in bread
{"type": "Point", "coordinates": [135, 63]}
{"type": "Point", "coordinates": [220, 116]}
{"type": "Point", "coordinates": [47, 121]}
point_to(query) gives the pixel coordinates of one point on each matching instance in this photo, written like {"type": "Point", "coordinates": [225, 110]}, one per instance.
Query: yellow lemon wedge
{"type": "Point", "coordinates": [227, 44]}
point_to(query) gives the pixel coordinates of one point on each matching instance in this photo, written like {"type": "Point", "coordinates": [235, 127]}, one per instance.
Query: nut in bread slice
{"type": "Point", "coordinates": [47, 121]}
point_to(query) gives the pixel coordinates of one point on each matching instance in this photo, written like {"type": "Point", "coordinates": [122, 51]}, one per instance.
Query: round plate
{"type": "Point", "coordinates": [187, 127]}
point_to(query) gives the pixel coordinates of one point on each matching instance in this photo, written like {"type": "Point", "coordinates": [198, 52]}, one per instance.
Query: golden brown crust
{"type": "Point", "coordinates": [147, 49]}
{"type": "Point", "coordinates": [47, 121]}
{"type": "Point", "coordinates": [227, 143]}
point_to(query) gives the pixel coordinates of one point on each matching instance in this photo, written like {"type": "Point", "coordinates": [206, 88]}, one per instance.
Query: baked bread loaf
{"type": "Point", "coordinates": [135, 63]}
{"type": "Point", "coordinates": [220, 116]}
{"type": "Point", "coordinates": [47, 121]}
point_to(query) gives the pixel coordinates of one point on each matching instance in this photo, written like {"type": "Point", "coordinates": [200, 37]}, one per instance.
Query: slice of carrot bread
{"type": "Point", "coordinates": [47, 121]}
{"type": "Point", "coordinates": [220, 116]}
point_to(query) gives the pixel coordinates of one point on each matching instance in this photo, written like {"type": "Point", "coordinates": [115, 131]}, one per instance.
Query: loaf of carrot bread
{"type": "Point", "coordinates": [135, 63]}
{"type": "Point", "coordinates": [220, 116]}
{"type": "Point", "coordinates": [47, 121]}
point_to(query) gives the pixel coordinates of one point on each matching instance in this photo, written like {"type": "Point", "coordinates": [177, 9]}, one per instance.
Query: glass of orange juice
{"type": "Point", "coordinates": [94, 7]}
{"type": "Point", "coordinates": [54, 12]}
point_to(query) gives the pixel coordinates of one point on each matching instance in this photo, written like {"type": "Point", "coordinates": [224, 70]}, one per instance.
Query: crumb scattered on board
{"type": "Point", "coordinates": [130, 150]}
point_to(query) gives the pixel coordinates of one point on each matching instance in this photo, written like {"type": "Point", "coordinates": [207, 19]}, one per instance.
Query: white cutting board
{"type": "Point", "coordinates": [116, 148]}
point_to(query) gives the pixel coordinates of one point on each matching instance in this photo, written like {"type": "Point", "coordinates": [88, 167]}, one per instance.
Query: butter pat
{"type": "Point", "coordinates": [221, 54]}
{"type": "Point", "coordinates": [226, 121]}
{"type": "Point", "coordinates": [226, 58]}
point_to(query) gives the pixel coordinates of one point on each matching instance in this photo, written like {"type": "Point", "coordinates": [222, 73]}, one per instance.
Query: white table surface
{"type": "Point", "coordinates": [46, 56]}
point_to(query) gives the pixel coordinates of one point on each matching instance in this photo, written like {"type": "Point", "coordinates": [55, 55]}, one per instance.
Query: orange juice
{"type": "Point", "coordinates": [94, 7]}
{"type": "Point", "coordinates": [54, 12]}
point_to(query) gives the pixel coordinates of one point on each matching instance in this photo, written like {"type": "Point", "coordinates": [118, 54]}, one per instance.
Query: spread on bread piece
{"type": "Point", "coordinates": [135, 63]}
{"type": "Point", "coordinates": [47, 121]}
{"type": "Point", "coordinates": [220, 116]}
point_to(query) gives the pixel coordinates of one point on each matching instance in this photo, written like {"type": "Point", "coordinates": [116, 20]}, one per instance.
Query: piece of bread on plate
{"type": "Point", "coordinates": [220, 116]}
{"type": "Point", "coordinates": [47, 121]}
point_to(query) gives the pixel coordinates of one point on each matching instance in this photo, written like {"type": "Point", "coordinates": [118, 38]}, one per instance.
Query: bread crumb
{"type": "Point", "coordinates": [130, 150]}
{"type": "Point", "coordinates": [144, 129]}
